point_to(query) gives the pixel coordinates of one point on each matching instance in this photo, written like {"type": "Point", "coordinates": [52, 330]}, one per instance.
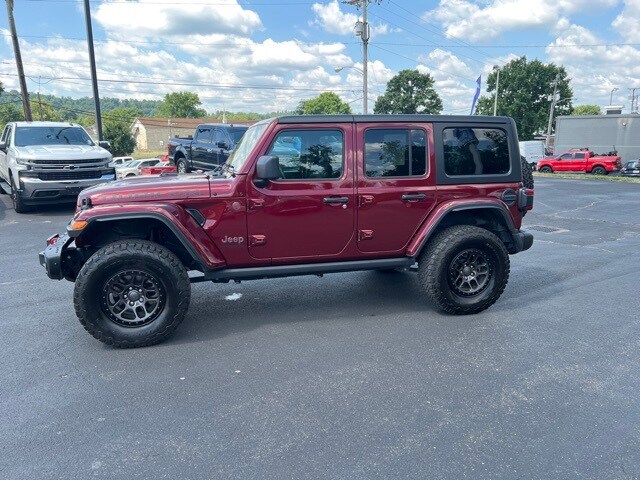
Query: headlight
{"type": "Point", "coordinates": [21, 161]}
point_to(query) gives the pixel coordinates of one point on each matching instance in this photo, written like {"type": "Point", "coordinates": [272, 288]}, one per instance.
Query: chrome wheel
{"type": "Point", "coordinates": [133, 298]}
{"type": "Point", "coordinates": [470, 272]}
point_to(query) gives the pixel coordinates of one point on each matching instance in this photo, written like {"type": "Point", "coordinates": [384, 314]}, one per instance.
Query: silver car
{"type": "Point", "coordinates": [132, 169]}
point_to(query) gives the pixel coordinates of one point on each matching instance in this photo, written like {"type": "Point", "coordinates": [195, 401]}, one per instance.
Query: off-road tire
{"type": "Point", "coordinates": [18, 203]}
{"type": "Point", "coordinates": [181, 166]}
{"type": "Point", "coordinates": [436, 262]}
{"type": "Point", "coordinates": [162, 265]}
{"type": "Point", "coordinates": [598, 171]}
{"type": "Point", "coordinates": [545, 169]}
{"type": "Point", "coordinates": [527, 174]}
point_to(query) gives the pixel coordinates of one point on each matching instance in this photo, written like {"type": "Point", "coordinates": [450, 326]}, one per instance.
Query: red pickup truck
{"type": "Point", "coordinates": [581, 160]}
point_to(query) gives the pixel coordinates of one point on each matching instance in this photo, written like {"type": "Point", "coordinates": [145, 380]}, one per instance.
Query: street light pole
{"type": "Point", "coordinates": [611, 97]}
{"type": "Point", "coordinates": [495, 100]}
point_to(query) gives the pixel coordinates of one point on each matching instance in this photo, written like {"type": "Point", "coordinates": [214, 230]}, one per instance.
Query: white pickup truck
{"type": "Point", "coordinates": [50, 162]}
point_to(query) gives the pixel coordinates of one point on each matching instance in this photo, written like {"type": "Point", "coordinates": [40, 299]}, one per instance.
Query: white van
{"type": "Point", "coordinates": [533, 151]}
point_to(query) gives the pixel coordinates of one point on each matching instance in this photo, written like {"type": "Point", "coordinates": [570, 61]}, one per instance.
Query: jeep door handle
{"type": "Point", "coordinates": [413, 197]}
{"type": "Point", "coordinates": [335, 200]}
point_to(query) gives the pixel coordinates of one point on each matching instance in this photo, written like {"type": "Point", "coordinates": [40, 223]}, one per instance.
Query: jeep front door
{"type": "Point", "coordinates": [308, 213]}
{"type": "Point", "coordinates": [396, 186]}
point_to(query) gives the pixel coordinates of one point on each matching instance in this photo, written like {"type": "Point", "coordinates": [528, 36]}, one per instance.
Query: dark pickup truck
{"type": "Point", "coordinates": [209, 147]}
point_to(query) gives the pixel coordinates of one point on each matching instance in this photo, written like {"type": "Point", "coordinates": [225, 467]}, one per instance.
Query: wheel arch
{"type": "Point", "coordinates": [194, 248]}
{"type": "Point", "coordinates": [490, 216]}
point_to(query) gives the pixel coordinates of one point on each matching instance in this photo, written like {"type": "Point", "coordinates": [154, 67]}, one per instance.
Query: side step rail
{"type": "Point", "coordinates": [257, 273]}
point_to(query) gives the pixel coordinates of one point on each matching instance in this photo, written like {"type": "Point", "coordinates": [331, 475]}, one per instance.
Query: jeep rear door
{"type": "Point", "coordinates": [396, 187]}
{"type": "Point", "coordinates": [309, 212]}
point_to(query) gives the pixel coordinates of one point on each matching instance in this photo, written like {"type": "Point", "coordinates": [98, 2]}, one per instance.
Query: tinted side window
{"type": "Point", "coordinates": [580, 156]}
{"type": "Point", "coordinates": [9, 135]}
{"type": "Point", "coordinates": [203, 134]}
{"type": "Point", "coordinates": [3, 138]}
{"type": "Point", "coordinates": [475, 151]}
{"type": "Point", "coordinates": [217, 136]}
{"type": "Point", "coordinates": [395, 152]}
{"type": "Point", "coordinates": [312, 154]}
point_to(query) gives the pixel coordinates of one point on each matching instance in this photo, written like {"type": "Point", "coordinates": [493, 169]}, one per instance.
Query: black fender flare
{"type": "Point", "coordinates": [195, 255]}
{"type": "Point", "coordinates": [425, 233]}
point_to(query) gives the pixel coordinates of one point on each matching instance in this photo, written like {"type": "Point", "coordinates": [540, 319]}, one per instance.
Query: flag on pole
{"type": "Point", "coordinates": [477, 94]}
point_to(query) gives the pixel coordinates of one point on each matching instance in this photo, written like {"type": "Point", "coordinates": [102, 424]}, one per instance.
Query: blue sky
{"type": "Point", "coordinates": [265, 56]}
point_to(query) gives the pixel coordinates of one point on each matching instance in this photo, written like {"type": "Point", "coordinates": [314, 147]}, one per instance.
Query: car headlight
{"type": "Point", "coordinates": [21, 161]}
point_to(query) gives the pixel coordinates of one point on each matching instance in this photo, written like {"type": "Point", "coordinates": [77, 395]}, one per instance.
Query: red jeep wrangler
{"type": "Point", "coordinates": [303, 196]}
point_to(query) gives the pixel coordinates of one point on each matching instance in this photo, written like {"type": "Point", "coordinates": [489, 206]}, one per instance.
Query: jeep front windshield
{"type": "Point", "coordinates": [240, 155]}
{"type": "Point", "coordinates": [27, 136]}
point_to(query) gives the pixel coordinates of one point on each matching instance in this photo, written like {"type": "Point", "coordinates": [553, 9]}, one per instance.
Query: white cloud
{"type": "Point", "coordinates": [159, 18]}
{"type": "Point", "coordinates": [595, 70]}
{"type": "Point", "coordinates": [332, 19]}
{"type": "Point", "coordinates": [629, 21]}
{"type": "Point", "coordinates": [469, 20]}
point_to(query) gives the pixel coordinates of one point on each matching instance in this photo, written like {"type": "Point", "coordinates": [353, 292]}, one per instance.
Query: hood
{"type": "Point", "coordinates": [67, 152]}
{"type": "Point", "coordinates": [151, 188]}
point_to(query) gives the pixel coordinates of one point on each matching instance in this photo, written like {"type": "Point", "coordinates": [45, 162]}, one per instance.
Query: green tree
{"type": "Point", "coordinates": [44, 111]}
{"type": "Point", "coordinates": [409, 92]}
{"type": "Point", "coordinates": [525, 92]}
{"type": "Point", "coordinates": [327, 103]}
{"type": "Point", "coordinates": [10, 111]}
{"type": "Point", "coordinates": [117, 129]}
{"type": "Point", "coordinates": [122, 114]}
{"type": "Point", "coordinates": [181, 105]}
{"type": "Point", "coordinates": [587, 110]}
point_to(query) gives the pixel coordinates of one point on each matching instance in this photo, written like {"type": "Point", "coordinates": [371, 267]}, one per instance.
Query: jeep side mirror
{"type": "Point", "coordinates": [268, 168]}
{"type": "Point", "coordinates": [104, 144]}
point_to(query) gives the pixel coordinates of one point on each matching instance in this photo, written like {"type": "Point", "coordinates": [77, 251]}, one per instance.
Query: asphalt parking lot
{"type": "Point", "coordinates": [347, 376]}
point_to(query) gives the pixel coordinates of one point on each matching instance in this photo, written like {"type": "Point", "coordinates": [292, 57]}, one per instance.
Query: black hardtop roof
{"type": "Point", "coordinates": [392, 119]}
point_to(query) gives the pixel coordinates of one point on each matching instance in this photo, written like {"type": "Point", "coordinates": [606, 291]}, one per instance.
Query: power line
{"type": "Point", "coordinates": [414, 60]}
{"type": "Point", "coordinates": [159, 42]}
{"type": "Point", "coordinates": [513, 46]}
{"type": "Point", "coordinates": [154, 81]}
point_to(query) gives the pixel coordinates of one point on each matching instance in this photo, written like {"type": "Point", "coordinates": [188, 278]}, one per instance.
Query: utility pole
{"type": "Point", "coordinates": [16, 50]}
{"type": "Point", "coordinates": [634, 100]}
{"type": "Point", "coordinates": [39, 101]}
{"type": "Point", "coordinates": [553, 107]}
{"type": "Point", "coordinates": [362, 29]}
{"type": "Point", "coordinates": [92, 64]}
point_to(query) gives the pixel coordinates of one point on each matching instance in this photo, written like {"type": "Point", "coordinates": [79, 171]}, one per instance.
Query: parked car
{"type": "Point", "coordinates": [210, 146]}
{"type": "Point", "coordinates": [117, 161]}
{"type": "Point", "coordinates": [631, 169]}
{"type": "Point", "coordinates": [368, 194]}
{"type": "Point", "coordinates": [581, 160]}
{"type": "Point", "coordinates": [132, 169]}
{"type": "Point", "coordinates": [50, 162]}
{"type": "Point", "coordinates": [160, 167]}
{"type": "Point", "coordinates": [533, 151]}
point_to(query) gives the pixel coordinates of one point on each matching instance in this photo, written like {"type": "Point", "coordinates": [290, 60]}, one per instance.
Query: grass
{"type": "Point", "coordinates": [138, 154]}
{"type": "Point", "coordinates": [587, 176]}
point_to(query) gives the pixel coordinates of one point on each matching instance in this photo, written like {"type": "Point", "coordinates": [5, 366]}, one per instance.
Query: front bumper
{"type": "Point", "coordinates": [523, 241]}
{"type": "Point", "coordinates": [34, 190]}
{"type": "Point", "coordinates": [52, 256]}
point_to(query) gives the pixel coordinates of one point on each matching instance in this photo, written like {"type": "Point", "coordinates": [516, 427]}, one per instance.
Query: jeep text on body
{"type": "Point", "coordinates": [344, 193]}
